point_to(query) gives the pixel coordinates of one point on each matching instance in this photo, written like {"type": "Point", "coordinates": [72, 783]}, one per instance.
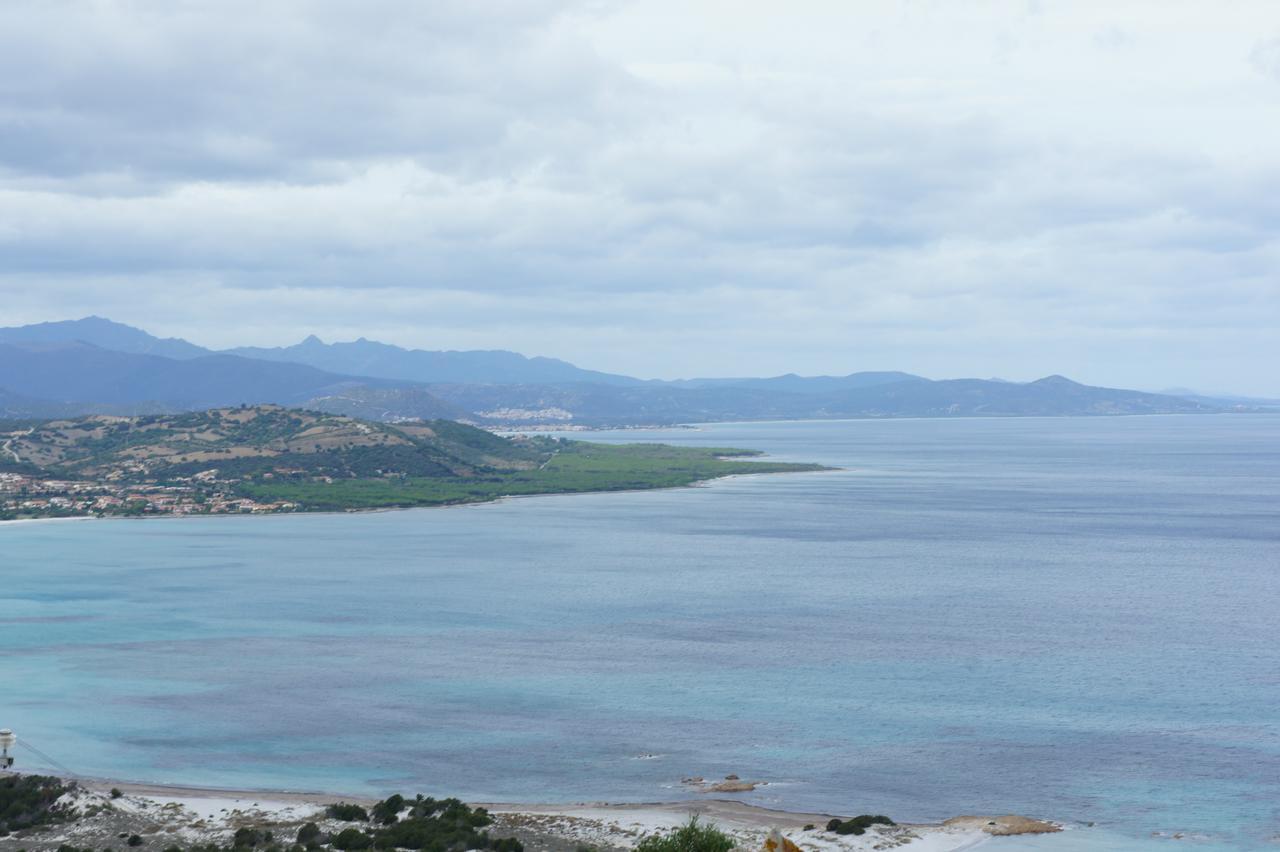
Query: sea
{"type": "Point", "coordinates": [1069, 618]}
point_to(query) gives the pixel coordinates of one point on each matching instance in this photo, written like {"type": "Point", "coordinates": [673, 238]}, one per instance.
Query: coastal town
{"type": "Point", "coordinates": [28, 496]}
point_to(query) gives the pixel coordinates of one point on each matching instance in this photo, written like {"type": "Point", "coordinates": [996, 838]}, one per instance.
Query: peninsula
{"type": "Point", "coordinates": [269, 459]}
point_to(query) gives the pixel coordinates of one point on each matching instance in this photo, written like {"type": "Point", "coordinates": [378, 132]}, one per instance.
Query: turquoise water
{"type": "Point", "coordinates": [1072, 618]}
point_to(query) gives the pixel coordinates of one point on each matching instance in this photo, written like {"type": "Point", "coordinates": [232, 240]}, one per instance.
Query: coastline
{"type": "Point", "coordinates": [485, 501]}
{"type": "Point", "coordinates": [164, 814]}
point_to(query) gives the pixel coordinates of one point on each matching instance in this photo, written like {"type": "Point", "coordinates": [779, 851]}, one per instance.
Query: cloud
{"type": "Point", "coordinates": [657, 188]}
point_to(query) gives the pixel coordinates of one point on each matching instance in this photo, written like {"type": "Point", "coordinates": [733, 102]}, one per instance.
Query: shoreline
{"type": "Point", "coordinates": [502, 498]}
{"type": "Point", "coordinates": [209, 812]}
{"type": "Point", "coordinates": [166, 814]}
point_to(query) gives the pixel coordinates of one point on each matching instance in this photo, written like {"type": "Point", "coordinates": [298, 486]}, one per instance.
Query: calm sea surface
{"type": "Point", "coordinates": [1071, 618]}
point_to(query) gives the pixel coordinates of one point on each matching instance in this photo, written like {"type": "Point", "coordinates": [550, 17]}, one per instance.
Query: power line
{"type": "Point", "coordinates": [47, 759]}
{"type": "Point", "coordinates": [67, 773]}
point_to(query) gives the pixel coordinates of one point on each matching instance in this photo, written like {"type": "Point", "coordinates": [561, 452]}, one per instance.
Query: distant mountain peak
{"type": "Point", "coordinates": [1056, 379]}
{"type": "Point", "coordinates": [104, 333]}
{"type": "Point", "coordinates": [364, 357]}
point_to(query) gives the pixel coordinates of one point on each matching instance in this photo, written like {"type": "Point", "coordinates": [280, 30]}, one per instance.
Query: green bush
{"type": "Point", "coordinates": [350, 839]}
{"type": "Point", "coordinates": [30, 800]}
{"type": "Point", "coordinates": [246, 838]}
{"type": "Point", "coordinates": [308, 833]}
{"type": "Point", "coordinates": [858, 825]}
{"type": "Point", "coordinates": [347, 813]}
{"type": "Point", "coordinates": [690, 837]}
{"type": "Point", "coordinates": [388, 810]}
{"type": "Point", "coordinates": [423, 824]}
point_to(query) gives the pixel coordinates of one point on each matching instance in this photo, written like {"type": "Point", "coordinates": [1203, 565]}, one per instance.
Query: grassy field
{"type": "Point", "coordinates": [576, 467]}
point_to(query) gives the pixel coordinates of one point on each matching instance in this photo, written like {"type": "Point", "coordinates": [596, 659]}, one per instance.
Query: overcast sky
{"type": "Point", "coordinates": [661, 188]}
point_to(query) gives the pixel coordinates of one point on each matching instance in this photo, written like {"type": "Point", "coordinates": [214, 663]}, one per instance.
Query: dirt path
{"type": "Point", "coordinates": [6, 446]}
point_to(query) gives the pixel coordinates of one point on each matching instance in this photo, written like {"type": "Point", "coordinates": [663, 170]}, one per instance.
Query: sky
{"type": "Point", "coordinates": [664, 189]}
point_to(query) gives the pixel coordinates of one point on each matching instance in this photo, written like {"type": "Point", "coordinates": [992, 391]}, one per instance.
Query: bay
{"type": "Point", "coordinates": [1068, 618]}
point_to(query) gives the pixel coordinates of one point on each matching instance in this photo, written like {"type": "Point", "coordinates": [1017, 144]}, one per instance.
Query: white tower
{"type": "Point", "coordinates": [7, 740]}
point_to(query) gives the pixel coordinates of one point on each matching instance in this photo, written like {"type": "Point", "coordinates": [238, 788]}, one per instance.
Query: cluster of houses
{"type": "Point", "coordinates": [22, 495]}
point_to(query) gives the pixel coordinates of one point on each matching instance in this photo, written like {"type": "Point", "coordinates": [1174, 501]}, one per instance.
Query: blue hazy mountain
{"type": "Point", "coordinates": [382, 360]}
{"type": "Point", "coordinates": [16, 406]}
{"type": "Point", "coordinates": [1225, 400]}
{"type": "Point", "coordinates": [356, 358]}
{"type": "Point", "coordinates": [94, 378]}
{"type": "Point", "coordinates": [914, 397]}
{"type": "Point", "coordinates": [792, 383]}
{"type": "Point", "coordinates": [105, 334]}
{"type": "Point", "coordinates": [97, 365]}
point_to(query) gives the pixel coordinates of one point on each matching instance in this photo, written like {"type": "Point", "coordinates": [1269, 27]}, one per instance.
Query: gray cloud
{"type": "Point", "coordinates": [660, 189]}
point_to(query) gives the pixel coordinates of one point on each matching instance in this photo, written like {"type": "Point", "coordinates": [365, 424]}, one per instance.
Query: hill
{"type": "Point", "coordinates": [16, 406]}
{"type": "Point", "coordinates": [104, 334]}
{"type": "Point", "coordinates": [1052, 396]}
{"type": "Point", "coordinates": [381, 360]}
{"type": "Point", "coordinates": [244, 442]}
{"type": "Point", "coordinates": [599, 405]}
{"type": "Point", "coordinates": [90, 378]}
{"type": "Point", "coordinates": [390, 404]}
{"type": "Point", "coordinates": [792, 383]}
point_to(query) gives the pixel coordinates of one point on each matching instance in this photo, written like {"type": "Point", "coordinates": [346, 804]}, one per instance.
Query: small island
{"type": "Point", "coordinates": [269, 459]}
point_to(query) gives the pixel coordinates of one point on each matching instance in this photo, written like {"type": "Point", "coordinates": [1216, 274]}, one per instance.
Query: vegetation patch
{"type": "Point", "coordinates": [693, 836]}
{"type": "Point", "coordinates": [346, 812]}
{"type": "Point", "coordinates": [424, 824]}
{"type": "Point", "coordinates": [571, 467]}
{"type": "Point", "coordinates": [858, 825]}
{"type": "Point", "coordinates": [27, 801]}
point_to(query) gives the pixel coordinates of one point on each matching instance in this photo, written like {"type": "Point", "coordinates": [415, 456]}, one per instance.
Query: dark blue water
{"type": "Point", "coordinates": [1071, 618]}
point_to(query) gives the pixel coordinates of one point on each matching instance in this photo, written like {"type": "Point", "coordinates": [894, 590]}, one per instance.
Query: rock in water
{"type": "Point", "coordinates": [1002, 826]}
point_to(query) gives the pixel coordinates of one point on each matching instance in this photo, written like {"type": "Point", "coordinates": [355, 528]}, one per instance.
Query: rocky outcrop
{"type": "Point", "coordinates": [731, 787]}
{"type": "Point", "coordinates": [1003, 825]}
{"type": "Point", "coordinates": [730, 784]}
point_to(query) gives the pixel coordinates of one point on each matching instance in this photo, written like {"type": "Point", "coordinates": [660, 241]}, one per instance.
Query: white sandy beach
{"type": "Point", "coordinates": [187, 815]}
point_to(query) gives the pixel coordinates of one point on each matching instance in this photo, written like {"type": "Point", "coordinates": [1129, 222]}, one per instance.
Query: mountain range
{"type": "Point", "coordinates": [94, 365]}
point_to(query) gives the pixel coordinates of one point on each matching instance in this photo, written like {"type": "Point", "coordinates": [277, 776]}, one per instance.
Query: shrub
{"type": "Point", "coordinates": [347, 813]}
{"type": "Point", "coordinates": [859, 824]}
{"type": "Point", "coordinates": [352, 839]}
{"type": "Point", "coordinates": [135, 840]}
{"type": "Point", "coordinates": [690, 837]}
{"type": "Point", "coordinates": [115, 793]}
{"type": "Point", "coordinates": [387, 810]}
{"type": "Point", "coordinates": [438, 826]}
{"type": "Point", "coordinates": [308, 833]}
{"type": "Point", "coordinates": [246, 838]}
{"type": "Point", "coordinates": [31, 800]}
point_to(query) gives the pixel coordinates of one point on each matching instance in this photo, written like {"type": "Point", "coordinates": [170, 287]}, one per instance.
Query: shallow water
{"type": "Point", "coordinates": [1071, 618]}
